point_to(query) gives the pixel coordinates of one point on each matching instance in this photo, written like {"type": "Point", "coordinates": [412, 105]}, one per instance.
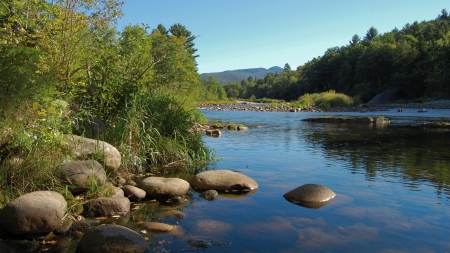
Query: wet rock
{"type": "Point", "coordinates": [133, 193]}
{"type": "Point", "coordinates": [242, 128]}
{"type": "Point", "coordinates": [310, 195]}
{"type": "Point", "coordinates": [107, 206]}
{"type": "Point", "coordinates": [173, 213]}
{"type": "Point", "coordinates": [103, 152]}
{"type": "Point", "coordinates": [81, 174]}
{"type": "Point", "coordinates": [112, 239]}
{"type": "Point", "coordinates": [223, 180]}
{"type": "Point", "coordinates": [65, 226]}
{"type": "Point", "coordinates": [164, 188]}
{"type": "Point", "coordinates": [213, 132]}
{"type": "Point", "coordinates": [158, 227]}
{"type": "Point", "coordinates": [33, 213]}
{"type": "Point", "coordinates": [209, 195]}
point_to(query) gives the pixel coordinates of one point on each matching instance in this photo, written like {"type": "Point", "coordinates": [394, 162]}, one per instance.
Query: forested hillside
{"type": "Point", "coordinates": [414, 61]}
{"type": "Point", "coordinates": [240, 74]}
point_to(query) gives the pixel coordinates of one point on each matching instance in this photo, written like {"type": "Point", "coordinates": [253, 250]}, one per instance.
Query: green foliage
{"type": "Point", "coordinates": [158, 129]}
{"type": "Point", "coordinates": [71, 51]}
{"type": "Point", "coordinates": [412, 61]}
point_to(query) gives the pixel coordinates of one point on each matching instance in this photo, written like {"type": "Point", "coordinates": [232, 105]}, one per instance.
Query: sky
{"type": "Point", "coordinates": [241, 34]}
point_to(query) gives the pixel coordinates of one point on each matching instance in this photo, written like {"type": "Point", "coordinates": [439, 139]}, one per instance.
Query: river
{"type": "Point", "coordinates": [392, 184]}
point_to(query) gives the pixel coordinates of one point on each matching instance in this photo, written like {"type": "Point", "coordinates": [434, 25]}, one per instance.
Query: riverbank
{"type": "Point", "coordinates": [285, 107]}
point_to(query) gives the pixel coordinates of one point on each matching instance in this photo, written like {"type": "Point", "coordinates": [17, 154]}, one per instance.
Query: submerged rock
{"type": "Point", "coordinates": [223, 180]}
{"type": "Point", "coordinates": [310, 195]}
{"type": "Point", "coordinates": [112, 239]}
{"type": "Point", "coordinates": [33, 213]}
{"type": "Point", "coordinates": [158, 227]}
{"type": "Point", "coordinates": [209, 195]}
{"type": "Point", "coordinates": [213, 132]}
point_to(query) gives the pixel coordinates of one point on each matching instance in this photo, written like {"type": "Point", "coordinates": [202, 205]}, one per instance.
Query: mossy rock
{"type": "Point", "coordinates": [73, 206]}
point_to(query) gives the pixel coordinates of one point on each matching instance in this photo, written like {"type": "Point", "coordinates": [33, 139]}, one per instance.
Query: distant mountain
{"type": "Point", "coordinates": [241, 74]}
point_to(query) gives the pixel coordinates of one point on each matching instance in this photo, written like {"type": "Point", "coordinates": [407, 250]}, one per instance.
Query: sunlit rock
{"type": "Point", "coordinates": [104, 153]}
{"type": "Point", "coordinates": [81, 174]}
{"type": "Point", "coordinates": [223, 180]}
{"type": "Point", "coordinates": [33, 213]}
{"type": "Point", "coordinates": [310, 195]}
{"type": "Point", "coordinates": [164, 188]}
{"type": "Point", "coordinates": [107, 206]}
{"type": "Point", "coordinates": [112, 239]}
{"type": "Point", "coordinates": [133, 193]}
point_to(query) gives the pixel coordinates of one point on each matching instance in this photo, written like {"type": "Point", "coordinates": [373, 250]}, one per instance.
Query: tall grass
{"type": "Point", "coordinates": [155, 130]}
{"type": "Point", "coordinates": [30, 147]}
{"type": "Point", "coordinates": [325, 100]}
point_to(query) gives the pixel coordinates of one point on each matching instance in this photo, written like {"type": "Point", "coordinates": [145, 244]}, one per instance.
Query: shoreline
{"type": "Point", "coordinates": [251, 106]}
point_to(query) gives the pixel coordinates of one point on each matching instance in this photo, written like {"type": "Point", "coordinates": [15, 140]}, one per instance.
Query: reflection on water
{"type": "Point", "coordinates": [392, 184]}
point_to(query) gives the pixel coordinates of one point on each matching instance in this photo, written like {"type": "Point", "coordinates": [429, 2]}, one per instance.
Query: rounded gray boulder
{"type": "Point", "coordinates": [80, 174]}
{"type": "Point", "coordinates": [223, 180]}
{"type": "Point", "coordinates": [33, 213]}
{"type": "Point", "coordinates": [310, 195]}
{"type": "Point", "coordinates": [107, 206]}
{"type": "Point", "coordinates": [133, 193]}
{"type": "Point", "coordinates": [112, 239]}
{"type": "Point", "coordinates": [164, 188]}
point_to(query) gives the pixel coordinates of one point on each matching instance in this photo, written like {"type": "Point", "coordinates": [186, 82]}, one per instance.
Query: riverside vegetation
{"type": "Point", "coordinates": [66, 69]}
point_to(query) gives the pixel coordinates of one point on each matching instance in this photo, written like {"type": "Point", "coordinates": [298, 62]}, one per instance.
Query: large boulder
{"type": "Point", "coordinates": [310, 195]}
{"type": "Point", "coordinates": [107, 206]}
{"type": "Point", "coordinates": [112, 239]}
{"type": "Point", "coordinates": [37, 212]}
{"type": "Point", "coordinates": [164, 188]}
{"type": "Point", "coordinates": [84, 148]}
{"type": "Point", "coordinates": [223, 180]}
{"type": "Point", "coordinates": [81, 174]}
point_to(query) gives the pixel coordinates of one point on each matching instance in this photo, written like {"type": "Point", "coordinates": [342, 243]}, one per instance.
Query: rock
{"type": "Point", "coordinates": [158, 227]}
{"type": "Point", "coordinates": [81, 174]}
{"type": "Point", "coordinates": [133, 193]}
{"type": "Point", "coordinates": [223, 180]}
{"type": "Point", "coordinates": [310, 195]}
{"type": "Point", "coordinates": [209, 195]}
{"type": "Point", "coordinates": [382, 120]}
{"type": "Point", "coordinates": [103, 152]}
{"type": "Point", "coordinates": [65, 226]}
{"type": "Point", "coordinates": [213, 132]}
{"type": "Point", "coordinates": [173, 213]}
{"type": "Point", "coordinates": [118, 192]}
{"type": "Point", "coordinates": [112, 239]}
{"type": "Point", "coordinates": [107, 206]}
{"type": "Point", "coordinates": [33, 213]}
{"type": "Point", "coordinates": [210, 227]}
{"type": "Point", "coordinates": [164, 188]}
{"type": "Point", "coordinates": [242, 128]}
{"type": "Point", "coordinates": [232, 127]}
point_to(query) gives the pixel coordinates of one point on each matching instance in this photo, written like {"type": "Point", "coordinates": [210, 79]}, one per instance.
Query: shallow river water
{"type": "Point", "coordinates": [392, 184]}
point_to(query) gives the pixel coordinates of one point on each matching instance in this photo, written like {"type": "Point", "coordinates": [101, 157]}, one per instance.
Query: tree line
{"type": "Point", "coordinates": [414, 61]}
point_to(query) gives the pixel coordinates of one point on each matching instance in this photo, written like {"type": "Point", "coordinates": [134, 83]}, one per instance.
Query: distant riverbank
{"type": "Point", "coordinates": [285, 107]}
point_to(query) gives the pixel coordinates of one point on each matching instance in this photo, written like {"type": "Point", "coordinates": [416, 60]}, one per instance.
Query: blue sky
{"type": "Point", "coordinates": [239, 34]}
